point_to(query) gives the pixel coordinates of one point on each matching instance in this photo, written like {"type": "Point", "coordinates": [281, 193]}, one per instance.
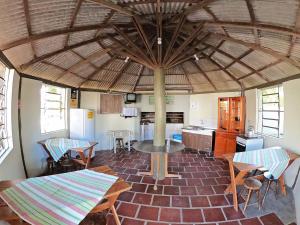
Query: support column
{"type": "Point", "coordinates": [160, 107]}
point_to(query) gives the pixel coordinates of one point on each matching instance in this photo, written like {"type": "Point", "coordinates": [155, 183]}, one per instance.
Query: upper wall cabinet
{"type": "Point", "coordinates": [111, 104]}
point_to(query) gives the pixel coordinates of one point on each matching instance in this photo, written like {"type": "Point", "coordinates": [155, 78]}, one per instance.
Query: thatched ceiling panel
{"type": "Point", "coordinates": [146, 80]}
{"type": "Point", "coordinates": [95, 85]}
{"type": "Point", "coordinates": [221, 59]}
{"type": "Point", "coordinates": [214, 29]}
{"type": "Point", "coordinates": [218, 76]}
{"type": "Point", "coordinates": [20, 54]}
{"type": "Point", "coordinates": [116, 65]}
{"type": "Point", "coordinates": [288, 69]}
{"type": "Point", "coordinates": [225, 10]}
{"type": "Point", "coordinates": [253, 80]}
{"type": "Point", "coordinates": [109, 76]}
{"type": "Point", "coordinates": [202, 88]}
{"type": "Point", "coordinates": [276, 12]}
{"type": "Point", "coordinates": [277, 42]}
{"type": "Point", "coordinates": [273, 73]}
{"type": "Point", "coordinates": [258, 59]}
{"type": "Point", "coordinates": [125, 83]}
{"type": "Point", "coordinates": [226, 85]}
{"type": "Point", "coordinates": [88, 49]}
{"type": "Point", "coordinates": [47, 45]}
{"type": "Point", "coordinates": [233, 49]}
{"type": "Point", "coordinates": [12, 11]}
{"type": "Point", "coordinates": [238, 70]}
{"type": "Point", "coordinates": [295, 52]}
{"type": "Point", "coordinates": [44, 71]}
{"type": "Point", "coordinates": [147, 72]}
{"type": "Point", "coordinates": [198, 78]}
{"type": "Point", "coordinates": [91, 13]}
{"type": "Point", "coordinates": [71, 80]}
{"type": "Point", "coordinates": [107, 42]}
{"type": "Point", "coordinates": [206, 65]}
{"type": "Point", "coordinates": [100, 61]}
{"type": "Point", "coordinates": [120, 18]}
{"type": "Point", "coordinates": [133, 68]}
{"type": "Point", "coordinates": [176, 79]}
{"type": "Point", "coordinates": [190, 67]}
{"type": "Point", "coordinates": [49, 15]}
{"type": "Point", "coordinates": [199, 15]}
{"type": "Point", "coordinates": [243, 34]}
{"type": "Point", "coordinates": [99, 75]}
{"type": "Point", "coordinates": [174, 70]}
{"type": "Point", "coordinates": [64, 60]}
{"type": "Point", "coordinates": [84, 70]}
{"type": "Point", "coordinates": [81, 36]}
{"type": "Point", "coordinates": [212, 40]}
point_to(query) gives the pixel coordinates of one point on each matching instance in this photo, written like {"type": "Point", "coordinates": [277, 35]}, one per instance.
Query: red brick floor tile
{"type": "Point", "coordinates": [148, 213]}
{"type": "Point", "coordinates": [209, 181]}
{"type": "Point", "coordinates": [192, 215]}
{"type": "Point", "coordinates": [142, 198]}
{"type": "Point", "coordinates": [127, 221]}
{"type": "Point", "coordinates": [230, 223]}
{"type": "Point", "coordinates": [167, 181]}
{"type": "Point", "coordinates": [199, 175]}
{"type": "Point", "coordinates": [179, 201]}
{"type": "Point", "coordinates": [209, 174]}
{"type": "Point", "coordinates": [271, 219]}
{"type": "Point", "coordinates": [223, 180]}
{"type": "Point", "coordinates": [134, 178]}
{"type": "Point", "coordinates": [170, 215]}
{"type": "Point", "coordinates": [148, 180]}
{"type": "Point", "coordinates": [219, 189]}
{"type": "Point", "coordinates": [179, 182]}
{"type": "Point", "coordinates": [156, 223]}
{"type": "Point", "coordinates": [213, 215]}
{"type": "Point", "coordinates": [127, 209]}
{"type": "Point", "coordinates": [231, 214]}
{"type": "Point", "coordinates": [188, 191]}
{"type": "Point", "coordinates": [186, 175]}
{"type": "Point", "coordinates": [159, 200]}
{"type": "Point", "coordinates": [205, 190]}
{"type": "Point", "coordinates": [139, 187]}
{"type": "Point", "coordinates": [171, 190]}
{"type": "Point", "coordinates": [218, 200]}
{"type": "Point", "coordinates": [199, 201]}
{"type": "Point", "coordinates": [194, 182]}
{"type": "Point", "coordinates": [151, 190]}
{"type": "Point", "coordinates": [252, 221]}
{"type": "Point", "coordinates": [126, 196]}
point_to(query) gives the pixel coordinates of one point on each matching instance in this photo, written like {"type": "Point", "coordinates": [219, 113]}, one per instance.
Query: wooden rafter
{"type": "Point", "coordinates": [113, 6]}
{"type": "Point", "coordinates": [120, 73]}
{"type": "Point", "coordinates": [198, 6]}
{"type": "Point", "coordinates": [83, 59]}
{"type": "Point", "coordinates": [215, 18]}
{"type": "Point", "coordinates": [75, 12]}
{"type": "Point", "coordinates": [296, 28]}
{"type": "Point", "coordinates": [159, 30]}
{"type": "Point", "coordinates": [187, 41]}
{"type": "Point", "coordinates": [95, 55]}
{"type": "Point", "coordinates": [225, 71]}
{"type": "Point", "coordinates": [205, 75]}
{"type": "Point", "coordinates": [28, 24]}
{"type": "Point", "coordinates": [261, 48]}
{"type": "Point", "coordinates": [98, 70]}
{"type": "Point", "coordinates": [106, 21]}
{"type": "Point", "coordinates": [217, 47]}
{"type": "Point", "coordinates": [139, 77]}
{"type": "Point", "coordinates": [187, 76]}
{"type": "Point", "coordinates": [236, 60]}
{"type": "Point", "coordinates": [253, 20]}
{"type": "Point", "coordinates": [144, 37]}
{"type": "Point", "coordinates": [174, 36]}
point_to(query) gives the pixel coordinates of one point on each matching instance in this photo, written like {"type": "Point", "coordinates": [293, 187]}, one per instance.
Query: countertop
{"type": "Point", "coordinates": [205, 131]}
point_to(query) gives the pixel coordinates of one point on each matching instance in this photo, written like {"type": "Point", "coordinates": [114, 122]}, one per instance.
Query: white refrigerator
{"type": "Point", "coordinates": [82, 125]}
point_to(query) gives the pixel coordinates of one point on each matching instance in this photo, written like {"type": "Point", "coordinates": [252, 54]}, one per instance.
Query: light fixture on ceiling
{"type": "Point", "coordinates": [159, 41]}
{"type": "Point", "coordinates": [196, 57]}
{"type": "Point", "coordinates": [126, 60]}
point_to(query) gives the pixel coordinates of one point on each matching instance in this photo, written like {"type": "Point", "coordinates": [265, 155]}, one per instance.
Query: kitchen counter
{"type": "Point", "coordinates": [204, 131]}
{"type": "Point", "coordinates": [198, 138]}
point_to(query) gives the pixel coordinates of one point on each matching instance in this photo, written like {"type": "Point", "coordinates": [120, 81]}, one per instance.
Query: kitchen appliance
{"type": "Point", "coordinates": [246, 143]}
{"type": "Point", "coordinates": [82, 125]}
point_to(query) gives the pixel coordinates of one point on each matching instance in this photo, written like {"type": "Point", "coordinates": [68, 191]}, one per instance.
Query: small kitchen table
{"type": "Point", "coordinates": [159, 158]}
{"type": "Point", "coordinates": [120, 134]}
{"type": "Point", "coordinates": [245, 168]}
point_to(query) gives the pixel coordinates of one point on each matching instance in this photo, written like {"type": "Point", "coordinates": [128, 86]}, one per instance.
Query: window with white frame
{"type": "Point", "coordinates": [271, 111]}
{"type": "Point", "coordinates": [5, 111]}
{"type": "Point", "coordinates": [53, 108]}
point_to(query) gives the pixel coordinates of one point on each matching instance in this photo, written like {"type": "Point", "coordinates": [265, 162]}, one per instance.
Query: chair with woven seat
{"type": "Point", "coordinates": [270, 179]}
{"type": "Point", "coordinates": [253, 185]}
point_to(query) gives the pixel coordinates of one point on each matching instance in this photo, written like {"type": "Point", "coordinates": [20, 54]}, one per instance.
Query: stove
{"type": "Point", "coordinates": [246, 143]}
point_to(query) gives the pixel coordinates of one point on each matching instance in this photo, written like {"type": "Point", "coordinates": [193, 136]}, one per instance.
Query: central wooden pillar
{"type": "Point", "coordinates": [160, 107]}
{"type": "Point", "coordinates": [159, 159]}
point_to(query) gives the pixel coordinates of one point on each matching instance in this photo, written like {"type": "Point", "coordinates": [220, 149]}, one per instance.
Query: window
{"type": "Point", "coordinates": [53, 108]}
{"type": "Point", "coordinates": [5, 110]}
{"type": "Point", "coordinates": [271, 111]}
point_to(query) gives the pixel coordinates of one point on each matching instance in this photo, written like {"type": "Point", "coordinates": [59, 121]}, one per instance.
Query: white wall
{"type": "Point", "coordinates": [11, 167]}
{"type": "Point", "coordinates": [106, 122]}
{"type": "Point", "coordinates": [204, 108]}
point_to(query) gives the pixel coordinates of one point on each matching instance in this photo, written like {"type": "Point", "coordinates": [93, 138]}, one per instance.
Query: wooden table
{"type": "Point", "coordinates": [108, 202]}
{"type": "Point", "coordinates": [83, 160]}
{"type": "Point", "coordinates": [244, 169]}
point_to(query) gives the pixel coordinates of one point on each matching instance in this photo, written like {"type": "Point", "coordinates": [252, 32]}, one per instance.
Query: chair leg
{"type": "Point", "coordinates": [266, 192]}
{"type": "Point", "coordinates": [258, 200]}
{"type": "Point", "coordinates": [276, 189]}
{"type": "Point", "coordinates": [114, 212]}
{"type": "Point", "coordinates": [247, 201]}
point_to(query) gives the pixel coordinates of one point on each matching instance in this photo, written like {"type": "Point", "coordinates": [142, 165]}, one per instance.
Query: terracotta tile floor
{"type": "Point", "coordinates": [197, 198]}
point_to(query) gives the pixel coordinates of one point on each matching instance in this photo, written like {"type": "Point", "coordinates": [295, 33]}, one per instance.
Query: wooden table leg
{"type": "Point", "coordinates": [114, 212]}
{"type": "Point", "coordinates": [232, 186]}
{"type": "Point", "coordinates": [150, 173]}
{"type": "Point", "coordinates": [282, 185]}
{"type": "Point", "coordinates": [89, 157]}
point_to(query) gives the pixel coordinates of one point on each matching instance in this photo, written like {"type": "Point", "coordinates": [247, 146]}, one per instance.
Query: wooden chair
{"type": "Point", "coordinates": [252, 185]}
{"type": "Point", "coordinates": [120, 143]}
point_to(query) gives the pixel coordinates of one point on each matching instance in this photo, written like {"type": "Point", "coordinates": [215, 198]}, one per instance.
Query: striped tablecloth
{"type": "Point", "coordinates": [57, 147]}
{"type": "Point", "coordinates": [274, 159]}
{"type": "Point", "coordinates": [63, 199]}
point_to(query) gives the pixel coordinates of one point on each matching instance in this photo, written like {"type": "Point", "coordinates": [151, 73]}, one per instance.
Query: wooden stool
{"type": "Point", "coordinates": [67, 165]}
{"type": "Point", "coordinates": [252, 184]}
{"type": "Point", "coordinates": [120, 143]}
{"type": "Point", "coordinates": [50, 165]}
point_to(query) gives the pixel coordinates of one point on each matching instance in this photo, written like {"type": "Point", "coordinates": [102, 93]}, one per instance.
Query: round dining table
{"type": "Point", "coordinates": [159, 158]}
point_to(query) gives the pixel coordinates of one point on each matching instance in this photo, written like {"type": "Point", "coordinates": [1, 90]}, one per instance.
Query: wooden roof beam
{"type": "Point", "coordinates": [28, 24]}
{"type": "Point", "coordinates": [139, 77]}
{"type": "Point", "coordinates": [200, 5]}
{"type": "Point", "coordinates": [109, 4]}
{"type": "Point", "coordinates": [159, 31]}
{"type": "Point", "coordinates": [253, 20]}
{"type": "Point", "coordinates": [120, 73]}
{"type": "Point", "coordinates": [205, 75]}
{"type": "Point", "coordinates": [187, 77]}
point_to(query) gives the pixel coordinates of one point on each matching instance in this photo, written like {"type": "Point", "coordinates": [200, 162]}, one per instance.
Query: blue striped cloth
{"type": "Point", "coordinates": [274, 159]}
{"type": "Point", "coordinates": [57, 147]}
